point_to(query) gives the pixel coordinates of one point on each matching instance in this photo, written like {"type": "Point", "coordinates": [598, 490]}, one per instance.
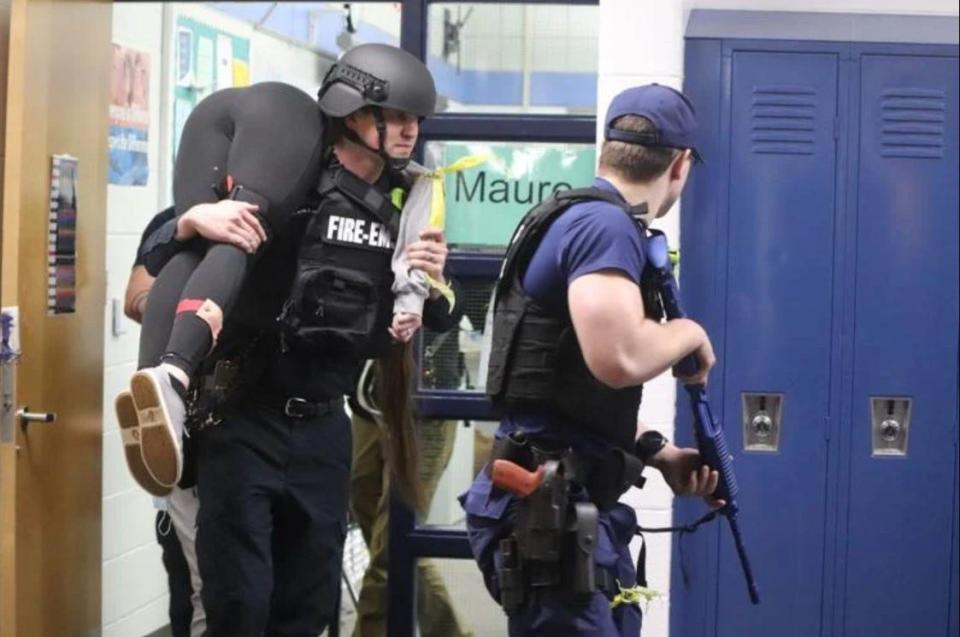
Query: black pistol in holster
{"type": "Point", "coordinates": [210, 394]}
{"type": "Point", "coordinates": [222, 380]}
{"type": "Point", "coordinates": [554, 538]}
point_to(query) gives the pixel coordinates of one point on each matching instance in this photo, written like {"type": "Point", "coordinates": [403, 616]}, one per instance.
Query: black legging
{"type": "Point", "coordinates": [268, 139]}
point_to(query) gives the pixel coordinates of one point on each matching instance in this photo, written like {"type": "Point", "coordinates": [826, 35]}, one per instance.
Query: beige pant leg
{"type": "Point", "coordinates": [370, 502]}
{"type": "Point", "coordinates": [369, 498]}
{"type": "Point", "coordinates": [183, 509]}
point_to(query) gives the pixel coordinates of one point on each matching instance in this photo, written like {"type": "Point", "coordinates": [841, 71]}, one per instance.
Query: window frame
{"type": "Point", "coordinates": [408, 540]}
{"type": "Point", "coordinates": [499, 127]}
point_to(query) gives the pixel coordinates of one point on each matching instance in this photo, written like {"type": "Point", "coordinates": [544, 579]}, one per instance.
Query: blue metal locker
{"type": "Point", "coordinates": [954, 626]}
{"type": "Point", "coordinates": [778, 332]}
{"type": "Point", "coordinates": [820, 247]}
{"type": "Point", "coordinates": [902, 415]}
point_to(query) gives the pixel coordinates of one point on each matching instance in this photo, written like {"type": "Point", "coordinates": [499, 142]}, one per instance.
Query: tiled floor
{"type": "Point", "coordinates": [477, 610]}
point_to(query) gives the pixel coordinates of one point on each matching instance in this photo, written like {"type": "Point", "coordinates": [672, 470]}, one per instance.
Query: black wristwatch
{"type": "Point", "coordinates": [649, 444]}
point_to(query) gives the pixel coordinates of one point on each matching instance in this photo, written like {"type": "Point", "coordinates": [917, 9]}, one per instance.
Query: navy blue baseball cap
{"type": "Point", "coordinates": [669, 110]}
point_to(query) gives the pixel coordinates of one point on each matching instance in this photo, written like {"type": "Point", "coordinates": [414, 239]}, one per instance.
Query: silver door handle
{"type": "Point", "coordinates": [26, 416]}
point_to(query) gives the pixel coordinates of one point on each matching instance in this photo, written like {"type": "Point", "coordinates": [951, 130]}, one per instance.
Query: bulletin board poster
{"type": "Point", "coordinates": [62, 236]}
{"type": "Point", "coordinates": [207, 59]}
{"type": "Point", "coordinates": [129, 117]}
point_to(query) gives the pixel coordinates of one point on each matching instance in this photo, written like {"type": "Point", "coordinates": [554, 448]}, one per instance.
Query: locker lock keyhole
{"type": "Point", "coordinates": [890, 429]}
{"type": "Point", "coordinates": [890, 424]}
{"type": "Point", "coordinates": [762, 424]}
{"type": "Point", "coordinates": [762, 420]}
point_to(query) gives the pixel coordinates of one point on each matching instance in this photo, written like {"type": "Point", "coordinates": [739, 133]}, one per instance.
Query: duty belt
{"type": "Point", "coordinates": [606, 477]}
{"type": "Point", "coordinates": [299, 408]}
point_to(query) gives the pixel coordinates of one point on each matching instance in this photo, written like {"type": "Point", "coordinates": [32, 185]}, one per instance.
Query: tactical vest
{"type": "Point", "coordinates": [535, 362]}
{"type": "Point", "coordinates": [341, 297]}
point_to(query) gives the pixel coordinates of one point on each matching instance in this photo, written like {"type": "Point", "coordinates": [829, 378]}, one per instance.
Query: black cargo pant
{"type": "Point", "coordinates": [273, 520]}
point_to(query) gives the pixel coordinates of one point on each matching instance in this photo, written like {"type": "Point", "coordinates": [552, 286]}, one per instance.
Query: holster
{"type": "Point", "coordinates": [552, 545]}
{"type": "Point", "coordinates": [222, 382]}
{"type": "Point", "coordinates": [541, 525]}
{"type": "Point", "coordinates": [511, 575]}
{"type": "Point", "coordinates": [554, 538]}
{"type": "Point", "coordinates": [513, 447]}
{"type": "Point", "coordinates": [605, 478]}
{"type": "Point", "coordinates": [583, 572]}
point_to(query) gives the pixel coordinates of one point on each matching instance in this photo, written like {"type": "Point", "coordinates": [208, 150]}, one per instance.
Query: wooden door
{"type": "Point", "coordinates": [57, 85]}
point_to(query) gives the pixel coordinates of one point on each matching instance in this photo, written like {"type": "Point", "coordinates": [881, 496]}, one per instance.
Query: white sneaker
{"type": "Point", "coordinates": [161, 414]}
{"type": "Point", "coordinates": [130, 435]}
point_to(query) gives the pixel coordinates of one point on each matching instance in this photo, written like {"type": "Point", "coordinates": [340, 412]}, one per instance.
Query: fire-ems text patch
{"type": "Point", "coordinates": [358, 232]}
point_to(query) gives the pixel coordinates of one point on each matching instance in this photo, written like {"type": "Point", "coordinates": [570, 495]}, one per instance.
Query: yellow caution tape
{"type": "Point", "coordinates": [634, 595]}
{"type": "Point", "coordinates": [438, 207]}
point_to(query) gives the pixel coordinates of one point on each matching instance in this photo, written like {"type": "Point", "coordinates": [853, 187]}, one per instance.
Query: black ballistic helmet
{"type": "Point", "coordinates": [378, 75]}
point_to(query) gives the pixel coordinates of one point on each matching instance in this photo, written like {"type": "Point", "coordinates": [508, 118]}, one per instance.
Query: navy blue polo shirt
{"type": "Point", "coordinates": [588, 237]}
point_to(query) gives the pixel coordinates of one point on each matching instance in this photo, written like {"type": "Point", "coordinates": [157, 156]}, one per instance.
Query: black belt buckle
{"type": "Point", "coordinates": [299, 408]}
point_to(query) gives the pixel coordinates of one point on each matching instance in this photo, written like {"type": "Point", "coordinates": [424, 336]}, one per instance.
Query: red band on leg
{"type": "Point", "coordinates": [189, 305]}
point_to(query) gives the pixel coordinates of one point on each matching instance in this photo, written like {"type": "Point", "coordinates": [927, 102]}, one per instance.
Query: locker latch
{"type": "Point", "coordinates": [762, 415]}
{"type": "Point", "coordinates": [890, 425]}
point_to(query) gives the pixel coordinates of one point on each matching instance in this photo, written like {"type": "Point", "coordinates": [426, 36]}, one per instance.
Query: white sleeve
{"type": "Point", "coordinates": [410, 287]}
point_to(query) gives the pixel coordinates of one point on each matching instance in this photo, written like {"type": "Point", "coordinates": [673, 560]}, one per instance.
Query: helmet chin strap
{"type": "Point", "coordinates": [395, 164]}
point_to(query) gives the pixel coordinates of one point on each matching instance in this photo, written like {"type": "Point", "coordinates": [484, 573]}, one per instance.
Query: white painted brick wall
{"type": "Point", "coordinates": [134, 596]}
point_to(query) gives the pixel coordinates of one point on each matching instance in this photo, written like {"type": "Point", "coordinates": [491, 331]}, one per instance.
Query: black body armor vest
{"type": "Point", "coordinates": [341, 297]}
{"type": "Point", "coordinates": [535, 360]}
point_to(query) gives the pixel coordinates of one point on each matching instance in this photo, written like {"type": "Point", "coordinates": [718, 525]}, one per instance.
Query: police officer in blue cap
{"type": "Point", "coordinates": [576, 333]}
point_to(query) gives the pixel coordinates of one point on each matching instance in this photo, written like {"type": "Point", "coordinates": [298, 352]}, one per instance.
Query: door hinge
{"type": "Point", "coordinates": [9, 355]}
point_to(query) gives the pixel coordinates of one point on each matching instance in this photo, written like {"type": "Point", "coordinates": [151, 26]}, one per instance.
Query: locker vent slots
{"type": "Point", "coordinates": [783, 120]}
{"type": "Point", "coordinates": [912, 122]}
